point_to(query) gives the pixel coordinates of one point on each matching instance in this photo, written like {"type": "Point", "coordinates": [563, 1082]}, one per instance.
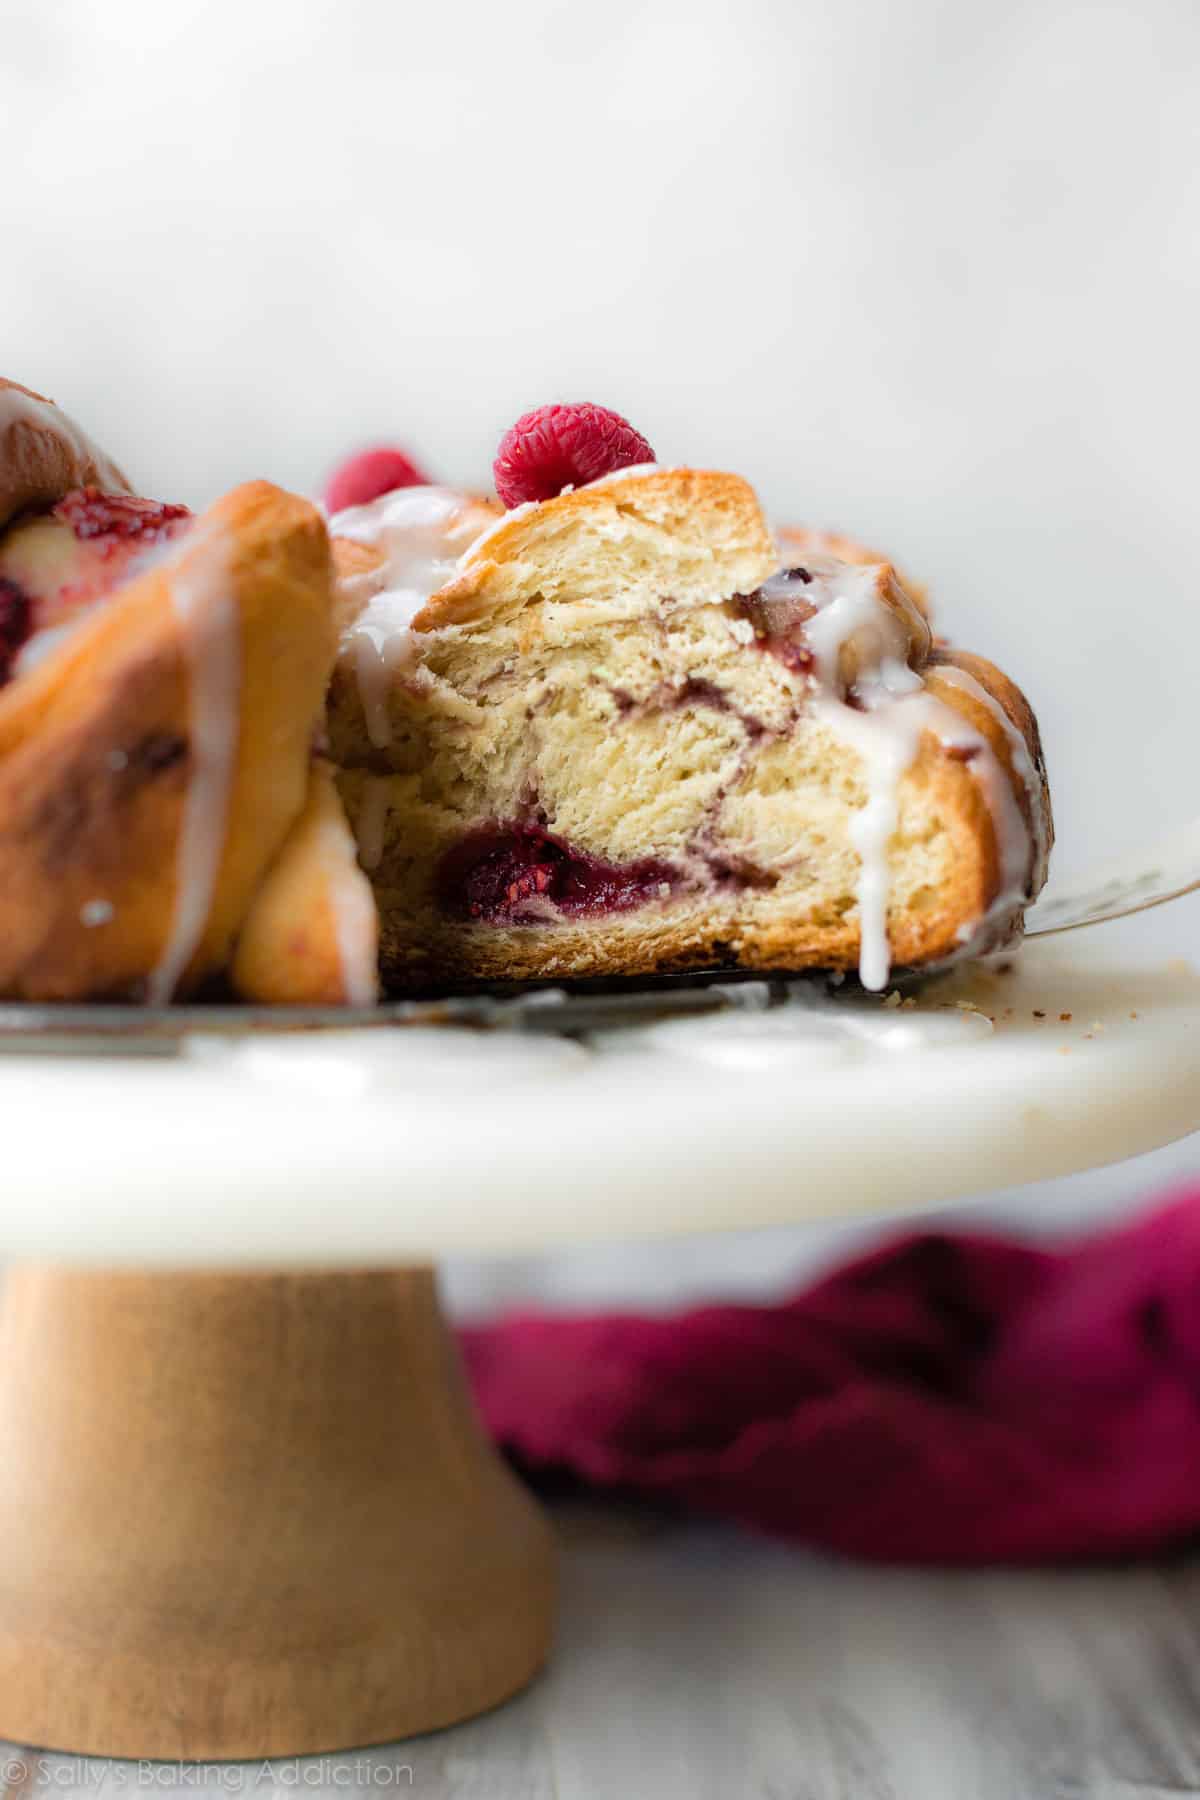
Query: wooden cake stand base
{"type": "Point", "coordinates": [251, 1515]}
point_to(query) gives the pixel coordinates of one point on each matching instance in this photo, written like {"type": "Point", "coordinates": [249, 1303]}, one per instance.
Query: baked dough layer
{"type": "Point", "coordinates": [607, 672]}
{"type": "Point", "coordinates": [153, 762]}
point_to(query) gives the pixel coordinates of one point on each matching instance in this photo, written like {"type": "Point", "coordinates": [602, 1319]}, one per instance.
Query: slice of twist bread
{"type": "Point", "coordinates": [153, 761]}
{"type": "Point", "coordinates": [611, 737]}
{"type": "Point", "coordinates": [311, 935]}
{"type": "Point", "coordinates": [162, 683]}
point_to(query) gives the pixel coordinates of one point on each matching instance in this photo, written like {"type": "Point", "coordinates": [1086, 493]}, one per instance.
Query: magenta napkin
{"type": "Point", "coordinates": [949, 1398]}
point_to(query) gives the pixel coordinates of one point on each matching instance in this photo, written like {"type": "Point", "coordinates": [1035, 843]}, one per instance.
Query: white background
{"type": "Point", "coordinates": [926, 272]}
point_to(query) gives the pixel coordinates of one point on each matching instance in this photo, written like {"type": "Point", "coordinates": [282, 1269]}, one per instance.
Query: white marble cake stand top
{"type": "Point", "coordinates": [384, 1146]}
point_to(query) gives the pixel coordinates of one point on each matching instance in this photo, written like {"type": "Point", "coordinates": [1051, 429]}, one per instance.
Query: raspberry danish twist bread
{"type": "Point", "coordinates": [623, 730]}
{"type": "Point", "coordinates": [162, 681]}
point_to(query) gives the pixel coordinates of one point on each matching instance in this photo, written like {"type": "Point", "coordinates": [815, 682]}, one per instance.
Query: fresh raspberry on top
{"type": "Point", "coordinates": [368, 474]}
{"type": "Point", "coordinates": [556, 446]}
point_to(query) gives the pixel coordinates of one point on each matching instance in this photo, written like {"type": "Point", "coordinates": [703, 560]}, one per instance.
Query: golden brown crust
{"type": "Point", "coordinates": [798, 542]}
{"type": "Point", "coordinates": [96, 754]}
{"type": "Point", "coordinates": [1036, 808]}
{"type": "Point", "coordinates": [927, 656]}
{"type": "Point", "coordinates": [356, 565]}
{"type": "Point", "coordinates": [501, 719]}
{"type": "Point", "coordinates": [528, 554]}
{"type": "Point", "coordinates": [724, 934]}
{"type": "Point", "coordinates": [311, 936]}
{"type": "Point", "coordinates": [720, 933]}
{"type": "Point", "coordinates": [353, 567]}
{"type": "Point", "coordinates": [43, 454]}
{"type": "Point", "coordinates": [861, 648]}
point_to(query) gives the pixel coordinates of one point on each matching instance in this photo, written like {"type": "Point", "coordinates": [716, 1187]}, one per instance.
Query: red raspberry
{"type": "Point", "coordinates": [368, 474]}
{"type": "Point", "coordinates": [554, 447]}
{"type": "Point", "coordinates": [91, 514]}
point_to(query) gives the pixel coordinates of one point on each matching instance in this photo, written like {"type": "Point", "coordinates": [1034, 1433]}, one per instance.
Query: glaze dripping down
{"type": "Point", "coordinates": [414, 531]}
{"type": "Point", "coordinates": [202, 594]}
{"type": "Point", "coordinates": [867, 692]}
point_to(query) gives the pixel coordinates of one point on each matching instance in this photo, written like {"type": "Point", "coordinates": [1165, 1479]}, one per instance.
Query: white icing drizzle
{"type": "Point", "coordinates": [202, 595]}
{"type": "Point", "coordinates": [847, 602]}
{"type": "Point", "coordinates": [1021, 759]}
{"type": "Point", "coordinates": [355, 921]}
{"type": "Point", "coordinates": [380, 643]}
{"type": "Point", "coordinates": [43, 643]}
{"type": "Point", "coordinates": [371, 821]}
{"type": "Point", "coordinates": [412, 527]}
{"type": "Point", "coordinates": [17, 407]}
{"type": "Point", "coordinates": [894, 710]}
{"type": "Point", "coordinates": [1014, 841]}
{"type": "Point", "coordinates": [887, 746]}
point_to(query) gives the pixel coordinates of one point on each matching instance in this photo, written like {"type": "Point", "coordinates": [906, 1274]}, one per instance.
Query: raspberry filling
{"type": "Point", "coordinates": [778, 613]}
{"type": "Point", "coordinates": [57, 562]}
{"type": "Point", "coordinates": [120, 520]}
{"type": "Point", "coordinates": [16, 623]}
{"type": "Point", "coordinates": [511, 874]}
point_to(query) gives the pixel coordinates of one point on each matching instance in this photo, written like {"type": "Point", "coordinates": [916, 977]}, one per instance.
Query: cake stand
{"type": "Point", "coordinates": [245, 1508]}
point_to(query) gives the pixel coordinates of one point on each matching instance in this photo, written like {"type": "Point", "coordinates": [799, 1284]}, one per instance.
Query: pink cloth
{"type": "Point", "coordinates": [946, 1399]}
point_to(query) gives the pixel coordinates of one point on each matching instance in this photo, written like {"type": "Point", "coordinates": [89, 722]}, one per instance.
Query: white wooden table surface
{"type": "Point", "coordinates": [695, 1664]}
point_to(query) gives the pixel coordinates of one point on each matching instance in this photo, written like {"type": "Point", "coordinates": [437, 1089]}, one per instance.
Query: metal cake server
{"type": "Point", "coordinates": [1129, 884]}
